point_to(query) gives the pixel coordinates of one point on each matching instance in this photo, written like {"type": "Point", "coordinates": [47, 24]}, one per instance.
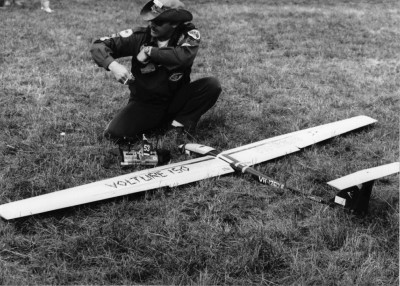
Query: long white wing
{"type": "Point", "coordinates": [275, 147]}
{"type": "Point", "coordinates": [181, 173]}
{"type": "Point", "coordinates": [366, 175]}
{"type": "Point", "coordinates": [171, 175]}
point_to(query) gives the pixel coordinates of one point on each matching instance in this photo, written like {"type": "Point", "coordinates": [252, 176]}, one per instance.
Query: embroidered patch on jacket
{"type": "Point", "coordinates": [195, 34]}
{"type": "Point", "coordinates": [126, 33]}
{"type": "Point", "coordinates": [176, 76]}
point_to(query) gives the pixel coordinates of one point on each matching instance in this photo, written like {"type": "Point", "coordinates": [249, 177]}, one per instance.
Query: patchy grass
{"type": "Point", "coordinates": [284, 66]}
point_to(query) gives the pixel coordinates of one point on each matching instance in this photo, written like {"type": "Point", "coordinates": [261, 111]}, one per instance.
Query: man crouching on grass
{"type": "Point", "coordinates": [159, 81]}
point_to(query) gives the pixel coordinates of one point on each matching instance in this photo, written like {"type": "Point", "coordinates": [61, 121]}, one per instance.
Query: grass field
{"type": "Point", "coordinates": [284, 66]}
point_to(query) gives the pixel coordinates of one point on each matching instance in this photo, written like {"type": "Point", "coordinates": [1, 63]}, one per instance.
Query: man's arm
{"type": "Point", "coordinates": [106, 49]}
{"type": "Point", "coordinates": [179, 57]}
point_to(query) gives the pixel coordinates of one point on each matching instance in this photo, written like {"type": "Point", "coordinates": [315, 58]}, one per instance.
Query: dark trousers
{"type": "Point", "coordinates": [187, 106]}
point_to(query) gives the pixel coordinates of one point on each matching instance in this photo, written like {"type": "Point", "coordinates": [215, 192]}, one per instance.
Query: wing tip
{"type": "Point", "coordinates": [367, 118]}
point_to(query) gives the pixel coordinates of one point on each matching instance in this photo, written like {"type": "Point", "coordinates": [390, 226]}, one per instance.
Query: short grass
{"type": "Point", "coordinates": [284, 66]}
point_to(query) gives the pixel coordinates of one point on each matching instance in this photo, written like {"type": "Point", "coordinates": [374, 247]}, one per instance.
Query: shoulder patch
{"type": "Point", "coordinates": [126, 33]}
{"type": "Point", "coordinates": [195, 34]}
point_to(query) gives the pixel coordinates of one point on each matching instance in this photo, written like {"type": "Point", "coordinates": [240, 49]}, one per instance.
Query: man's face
{"type": "Point", "coordinates": [161, 30]}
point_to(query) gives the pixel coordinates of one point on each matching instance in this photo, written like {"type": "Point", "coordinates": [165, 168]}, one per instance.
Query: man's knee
{"type": "Point", "coordinates": [213, 86]}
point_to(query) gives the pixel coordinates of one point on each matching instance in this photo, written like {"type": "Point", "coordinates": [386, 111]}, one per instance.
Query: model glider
{"type": "Point", "coordinates": [183, 172]}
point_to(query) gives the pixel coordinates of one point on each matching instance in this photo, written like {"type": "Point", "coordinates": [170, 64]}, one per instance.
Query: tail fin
{"type": "Point", "coordinates": [356, 198]}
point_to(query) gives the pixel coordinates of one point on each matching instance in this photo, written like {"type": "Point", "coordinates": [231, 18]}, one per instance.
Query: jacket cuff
{"type": "Point", "coordinates": [107, 62]}
{"type": "Point", "coordinates": [154, 55]}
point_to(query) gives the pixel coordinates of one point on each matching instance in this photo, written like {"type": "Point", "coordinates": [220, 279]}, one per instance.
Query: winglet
{"type": "Point", "coordinates": [355, 189]}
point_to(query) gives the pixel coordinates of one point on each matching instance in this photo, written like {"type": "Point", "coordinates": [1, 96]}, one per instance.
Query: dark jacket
{"type": "Point", "coordinates": [169, 67]}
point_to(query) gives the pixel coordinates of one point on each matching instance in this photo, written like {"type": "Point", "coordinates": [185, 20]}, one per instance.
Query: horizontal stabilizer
{"type": "Point", "coordinates": [366, 175]}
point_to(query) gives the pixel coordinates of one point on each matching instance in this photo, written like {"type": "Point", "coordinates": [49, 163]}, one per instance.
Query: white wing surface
{"type": "Point", "coordinates": [171, 175]}
{"type": "Point", "coordinates": [366, 175]}
{"type": "Point", "coordinates": [275, 147]}
{"type": "Point", "coordinates": [180, 173]}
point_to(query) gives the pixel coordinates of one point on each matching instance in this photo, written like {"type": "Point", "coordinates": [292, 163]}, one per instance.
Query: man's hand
{"type": "Point", "coordinates": [120, 72]}
{"type": "Point", "coordinates": [144, 55]}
